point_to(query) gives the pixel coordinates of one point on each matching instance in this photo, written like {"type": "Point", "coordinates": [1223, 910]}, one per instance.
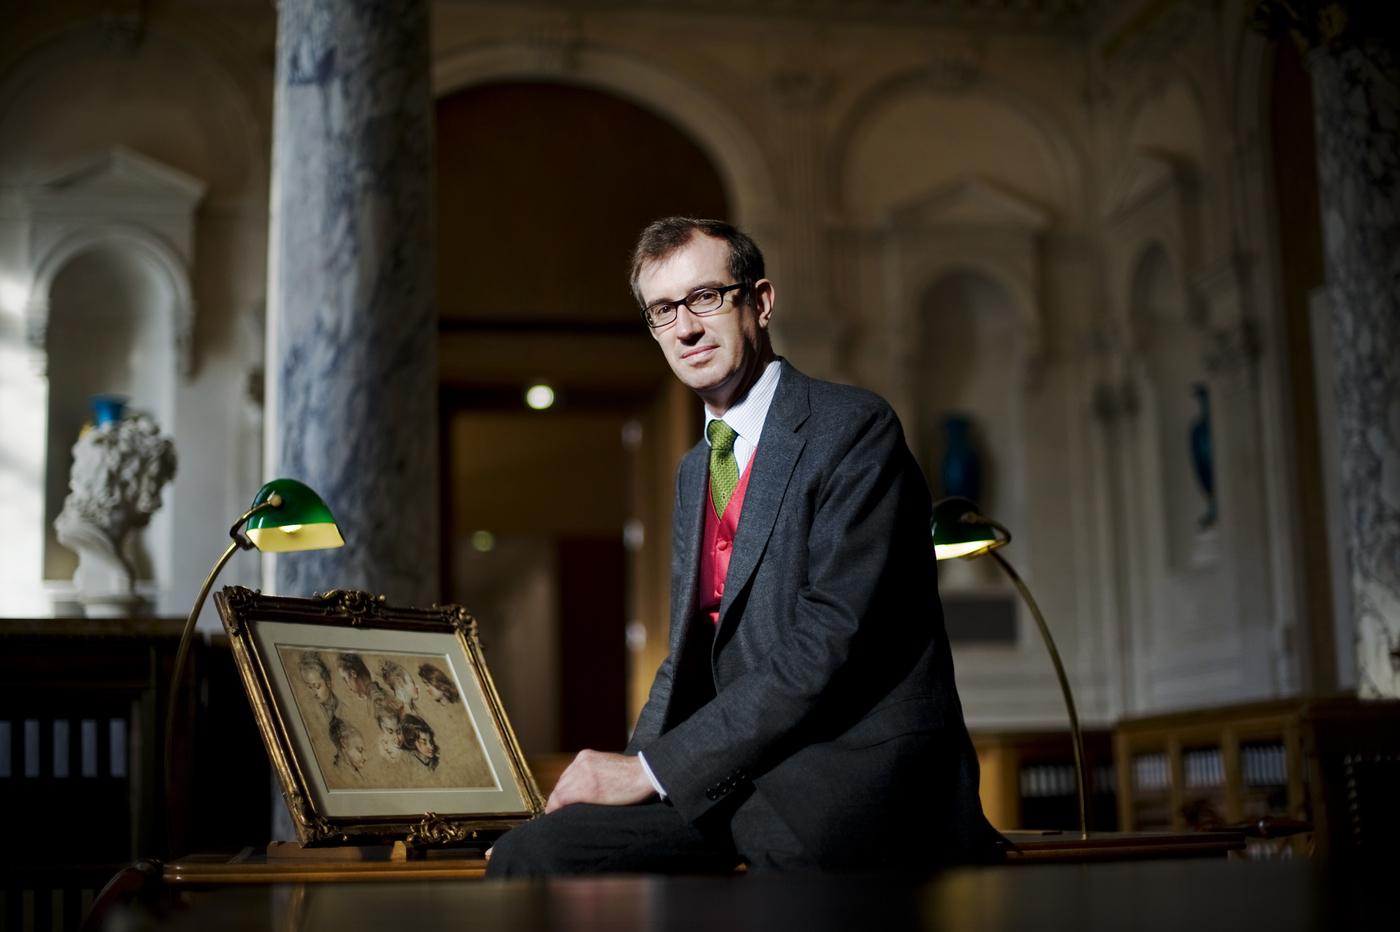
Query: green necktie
{"type": "Point", "coordinates": [724, 468]}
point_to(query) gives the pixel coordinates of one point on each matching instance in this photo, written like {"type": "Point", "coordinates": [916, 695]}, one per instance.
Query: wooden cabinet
{"type": "Point", "coordinates": [1028, 779]}
{"type": "Point", "coordinates": [82, 715]}
{"type": "Point", "coordinates": [1209, 767]}
{"type": "Point", "coordinates": [1306, 759]}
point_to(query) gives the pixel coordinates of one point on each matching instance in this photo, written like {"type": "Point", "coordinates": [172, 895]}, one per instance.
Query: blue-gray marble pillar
{"type": "Point", "coordinates": [353, 326]}
{"type": "Point", "coordinates": [1357, 99]}
{"type": "Point", "coordinates": [1354, 60]}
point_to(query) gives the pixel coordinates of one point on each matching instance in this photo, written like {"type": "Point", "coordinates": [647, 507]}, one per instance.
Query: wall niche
{"type": "Point", "coordinates": [110, 312]}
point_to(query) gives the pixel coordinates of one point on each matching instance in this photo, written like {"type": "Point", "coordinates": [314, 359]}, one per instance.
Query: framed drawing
{"type": "Point", "coordinates": [382, 723]}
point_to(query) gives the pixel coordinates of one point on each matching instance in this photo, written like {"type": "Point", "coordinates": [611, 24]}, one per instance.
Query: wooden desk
{"type": "Point", "coordinates": [1040, 847]}
{"type": "Point", "coordinates": [250, 867]}
{"type": "Point", "coordinates": [1204, 896]}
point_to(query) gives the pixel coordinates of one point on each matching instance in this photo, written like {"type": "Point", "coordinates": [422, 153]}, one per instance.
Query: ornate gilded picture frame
{"type": "Point", "coordinates": [382, 723]}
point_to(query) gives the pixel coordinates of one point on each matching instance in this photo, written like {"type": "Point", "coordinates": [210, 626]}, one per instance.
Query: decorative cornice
{"type": "Point", "coordinates": [1050, 15]}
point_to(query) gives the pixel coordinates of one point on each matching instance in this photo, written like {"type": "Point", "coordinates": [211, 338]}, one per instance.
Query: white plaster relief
{"type": "Point", "coordinates": [126, 201]}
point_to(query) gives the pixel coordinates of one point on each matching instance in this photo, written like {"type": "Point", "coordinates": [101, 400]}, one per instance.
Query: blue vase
{"type": "Point", "coordinates": [107, 409]}
{"type": "Point", "coordinates": [1202, 456]}
{"type": "Point", "coordinates": [962, 469]}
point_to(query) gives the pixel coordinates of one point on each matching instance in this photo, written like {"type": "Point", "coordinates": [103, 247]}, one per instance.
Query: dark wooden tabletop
{"type": "Point", "coordinates": [253, 867]}
{"type": "Point", "coordinates": [1199, 895]}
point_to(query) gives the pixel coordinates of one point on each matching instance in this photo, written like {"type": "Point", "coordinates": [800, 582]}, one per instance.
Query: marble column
{"type": "Point", "coordinates": [352, 329]}
{"type": "Point", "coordinates": [1354, 59]}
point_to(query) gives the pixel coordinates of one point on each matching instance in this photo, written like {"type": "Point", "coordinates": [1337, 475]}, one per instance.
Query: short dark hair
{"type": "Point", "coordinates": [440, 681]}
{"type": "Point", "coordinates": [665, 236]}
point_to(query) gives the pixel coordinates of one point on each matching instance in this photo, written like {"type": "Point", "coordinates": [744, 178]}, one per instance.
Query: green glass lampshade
{"type": "Point", "coordinates": [301, 522]}
{"type": "Point", "coordinates": [959, 529]}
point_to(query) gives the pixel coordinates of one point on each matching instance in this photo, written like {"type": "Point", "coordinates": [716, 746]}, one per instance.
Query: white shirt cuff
{"type": "Point", "coordinates": [655, 783]}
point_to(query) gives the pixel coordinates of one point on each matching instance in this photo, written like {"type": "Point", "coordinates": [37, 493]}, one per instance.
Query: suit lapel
{"type": "Point", "coordinates": [773, 464]}
{"type": "Point", "coordinates": [685, 575]}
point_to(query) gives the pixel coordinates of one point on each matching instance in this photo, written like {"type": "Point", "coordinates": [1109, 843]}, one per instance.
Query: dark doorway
{"type": "Point", "coordinates": [541, 190]}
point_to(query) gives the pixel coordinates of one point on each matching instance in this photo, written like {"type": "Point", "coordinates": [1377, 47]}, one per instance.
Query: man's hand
{"type": "Point", "coordinates": [602, 778]}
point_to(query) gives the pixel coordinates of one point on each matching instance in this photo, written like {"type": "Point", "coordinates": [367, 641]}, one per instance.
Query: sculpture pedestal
{"type": "Point", "coordinates": [116, 605]}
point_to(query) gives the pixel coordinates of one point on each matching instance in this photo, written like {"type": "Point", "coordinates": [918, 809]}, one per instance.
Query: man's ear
{"type": "Point", "coordinates": [763, 298]}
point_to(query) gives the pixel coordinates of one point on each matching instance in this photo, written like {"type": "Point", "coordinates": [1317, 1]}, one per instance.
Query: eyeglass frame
{"type": "Point", "coordinates": [685, 302]}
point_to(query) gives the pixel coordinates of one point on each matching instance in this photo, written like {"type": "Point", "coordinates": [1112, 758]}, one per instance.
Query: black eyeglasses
{"type": "Point", "coordinates": [701, 301]}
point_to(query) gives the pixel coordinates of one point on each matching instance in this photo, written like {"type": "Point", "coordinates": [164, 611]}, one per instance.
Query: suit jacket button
{"type": "Point", "coordinates": [711, 795]}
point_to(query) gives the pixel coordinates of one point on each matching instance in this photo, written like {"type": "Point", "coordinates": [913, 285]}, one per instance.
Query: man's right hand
{"type": "Point", "coordinates": [602, 778]}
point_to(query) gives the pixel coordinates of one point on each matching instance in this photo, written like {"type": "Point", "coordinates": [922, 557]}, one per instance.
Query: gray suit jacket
{"type": "Point", "coordinates": [834, 693]}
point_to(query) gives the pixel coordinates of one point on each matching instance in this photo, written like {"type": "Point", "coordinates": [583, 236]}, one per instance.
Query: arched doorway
{"type": "Point", "coordinates": [542, 188]}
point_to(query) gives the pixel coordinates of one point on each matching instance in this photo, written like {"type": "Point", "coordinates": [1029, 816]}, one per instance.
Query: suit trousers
{"type": "Point", "coordinates": [649, 838]}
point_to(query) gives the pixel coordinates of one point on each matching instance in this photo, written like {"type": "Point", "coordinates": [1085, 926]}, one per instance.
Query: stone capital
{"type": "Point", "coordinates": [1333, 25]}
{"type": "Point", "coordinates": [801, 89]}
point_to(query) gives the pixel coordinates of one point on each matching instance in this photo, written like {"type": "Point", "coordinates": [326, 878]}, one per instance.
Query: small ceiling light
{"type": "Point", "coordinates": [539, 396]}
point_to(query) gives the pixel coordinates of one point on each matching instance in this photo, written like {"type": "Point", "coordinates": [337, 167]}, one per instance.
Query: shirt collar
{"type": "Point", "coordinates": [747, 416]}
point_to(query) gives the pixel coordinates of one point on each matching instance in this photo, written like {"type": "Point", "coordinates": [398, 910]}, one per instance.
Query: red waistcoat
{"type": "Point", "coordinates": [717, 545]}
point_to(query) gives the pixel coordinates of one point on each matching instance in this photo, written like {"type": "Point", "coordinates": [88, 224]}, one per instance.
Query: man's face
{"type": "Point", "coordinates": [719, 355]}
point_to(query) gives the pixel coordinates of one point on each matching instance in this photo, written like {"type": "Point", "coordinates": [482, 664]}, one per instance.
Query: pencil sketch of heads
{"type": "Point", "coordinates": [317, 677]}
{"type": "Point", "coordinates": [349, 744]}
{"type": "Point", "coordinates": [389, 745]}
{"type": "Point", "coordinates": [331, 707]}
{"type": "Point", "coordinates": [416, 737]}
{"type": "Point", "coordinates": [355, 674]}
{"type": "Point", "coordinates": [398, 679]}
{"type": "Point", "coordinates": [388, 710]}
{"type": "Point", "coordinates": [439, 685]}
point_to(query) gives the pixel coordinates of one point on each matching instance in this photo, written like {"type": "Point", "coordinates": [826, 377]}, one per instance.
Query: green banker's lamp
{"type": "Point", "coordinates": [960, 530]}
{"type": "Point", "coordinates": [285, 516]}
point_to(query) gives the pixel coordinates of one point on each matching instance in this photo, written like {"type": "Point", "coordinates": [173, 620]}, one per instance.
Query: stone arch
{"type": "Point", "coordinates": [1172, 90]}
{"type": "Point", "coordinates": [970, 330]}
{"type": "Point", "coordinates": [1002, 275]}
{"type": "Point", "coordinates": [109, 306]}
{"type": "Point", "coordinates": [1159, 239]}
{"type": "Point", "coordinates": [1169, 365]}
{"type": "Point", "coordinates": [745, 173]}
{"type": "Point", "coordinates": [1066, 158]}
{"type": "Point", "coordinates": [121, 237]}
{"type": "Point", "coordinates": [1006, 274]}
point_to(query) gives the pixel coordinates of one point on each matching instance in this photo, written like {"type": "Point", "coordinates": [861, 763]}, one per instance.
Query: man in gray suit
{"type": "Point", "coordinates": [806, 715]}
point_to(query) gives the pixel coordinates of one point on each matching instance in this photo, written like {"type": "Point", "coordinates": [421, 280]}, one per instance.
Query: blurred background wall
{"type": "Point", "coordinates": [1079, 229]}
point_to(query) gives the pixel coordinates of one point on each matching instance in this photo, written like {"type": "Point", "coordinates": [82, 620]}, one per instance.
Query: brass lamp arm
{"type": "Point", "coordinates": [240, 542]}
{"type": "Point", "coordinates": [973, 517]}
{"type": "Point", "coordinates": [1078, 738]}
